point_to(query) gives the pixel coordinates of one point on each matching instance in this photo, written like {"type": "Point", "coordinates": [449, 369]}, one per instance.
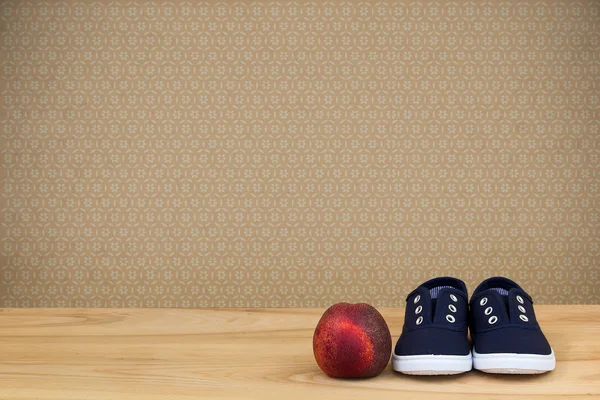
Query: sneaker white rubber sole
{"type": "Point", "coordinates": [430, 364]}
{"type": "Point", "coordinates": [513, 363]}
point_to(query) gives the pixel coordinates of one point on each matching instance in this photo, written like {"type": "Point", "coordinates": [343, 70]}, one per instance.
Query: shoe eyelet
{"type": "Point", "coordinates": [418, 310]}
{"type": "Point", "coordinates": [488, 310]}
{"type": "Point", "coordinates": [416, 300]}
{"type": "Point", "coordinates": [483, 301]}
{"type": "Point", "coordinates": [454, 298]}
{"type": "Point", "coordinates": [451, 307]}
{"type": "Point", "coordinates": [420, 320]}
{"type": "Point", "coordinates": [522, 309]}
{"type": "Point", "coordinates": [450, 318]}
{"type": "Point", "coordinates": [524, 318]}
{"type": "Point", "coordinates": [520, 300]}
{"type": "Point", "coordinates": [493, 319]}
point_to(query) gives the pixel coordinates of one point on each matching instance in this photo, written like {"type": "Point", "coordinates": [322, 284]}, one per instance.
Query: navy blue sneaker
{"type": "Point", "coordinates": [434, 338]}
{"type": "Point", "coordinates": [506, 336]}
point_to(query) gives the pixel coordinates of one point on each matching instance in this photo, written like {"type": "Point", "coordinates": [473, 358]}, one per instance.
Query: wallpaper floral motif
{"type": "Point", "coordinates": [296, 153]}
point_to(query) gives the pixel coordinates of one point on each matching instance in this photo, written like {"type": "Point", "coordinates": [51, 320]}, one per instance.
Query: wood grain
{"type": "Point", "coordinates": [248, 354]}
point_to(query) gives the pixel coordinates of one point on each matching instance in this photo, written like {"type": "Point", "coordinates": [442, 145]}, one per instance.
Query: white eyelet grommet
{"type": "Point", "coordinates": [522, 309]}
{"type": "Point", "coordinates": [520, 299]}
{"type": "Point", "coordinates": [451, 307]}
{"type": "Point", "coordinates": [416, 300]}
{"type": "Point", "coordinates": [418, 309]}
{"type": "Point", "coordinates": [450, 318]}
{"type": "Point", "coordinates": [523, 318]}
{"type": "Point", "coordinates": [493, 319]}
{"type": "Point", "coordinates": [488, 310]}
{"type": "Point", "coordinates": [453, 298]}
{"type": "Point", "coordinates": [483, 302]}
{"type": "Point", "coordinates": [419, 320]}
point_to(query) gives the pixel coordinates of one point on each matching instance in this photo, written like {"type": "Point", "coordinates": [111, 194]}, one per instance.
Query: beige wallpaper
{"type": "Point", "coordinates": [294, 153]}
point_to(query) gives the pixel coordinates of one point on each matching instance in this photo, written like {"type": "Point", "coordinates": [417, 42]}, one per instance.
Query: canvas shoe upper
{"type": "Point", "coordinates": [434, 339]}
{"type": "Point", "coordinates": [506, 335]}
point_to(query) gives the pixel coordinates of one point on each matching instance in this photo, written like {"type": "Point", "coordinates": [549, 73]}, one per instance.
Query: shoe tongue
{"type": "Point", "coordinates": [437, 284]}
{"type": "Point", "coordinates": [435, 291]}
{"type": "Point", "coordinates": [499, 284]}
{"type": "Point", "coordinates": [503, 292]}
{"type": "Point", "coordinates": [500, 290]}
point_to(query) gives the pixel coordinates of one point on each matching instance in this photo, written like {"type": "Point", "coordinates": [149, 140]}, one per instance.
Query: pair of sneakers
{"type": "Point", "coordinates": [506, 336]}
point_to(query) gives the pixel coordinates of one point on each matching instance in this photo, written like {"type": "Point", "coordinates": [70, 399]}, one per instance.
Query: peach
{"type": "Point", "coordinates": [352, 341]}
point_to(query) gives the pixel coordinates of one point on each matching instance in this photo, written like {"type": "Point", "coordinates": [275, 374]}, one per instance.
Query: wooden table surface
{"type": "Point", "coordinates": [249, 354]}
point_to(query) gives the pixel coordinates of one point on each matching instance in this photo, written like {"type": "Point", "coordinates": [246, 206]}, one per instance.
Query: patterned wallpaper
{"type": "Point", "coordinates": [294, 153]}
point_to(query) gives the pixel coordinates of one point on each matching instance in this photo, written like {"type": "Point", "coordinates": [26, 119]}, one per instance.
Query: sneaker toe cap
{"type": "Point", "coordinates": [512, 340]}
{"type": "Point", "coordinates": [432, 340]}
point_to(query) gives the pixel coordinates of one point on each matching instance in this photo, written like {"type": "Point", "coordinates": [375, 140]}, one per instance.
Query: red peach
{"type": "Point", "coordinates": [352, 341]}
